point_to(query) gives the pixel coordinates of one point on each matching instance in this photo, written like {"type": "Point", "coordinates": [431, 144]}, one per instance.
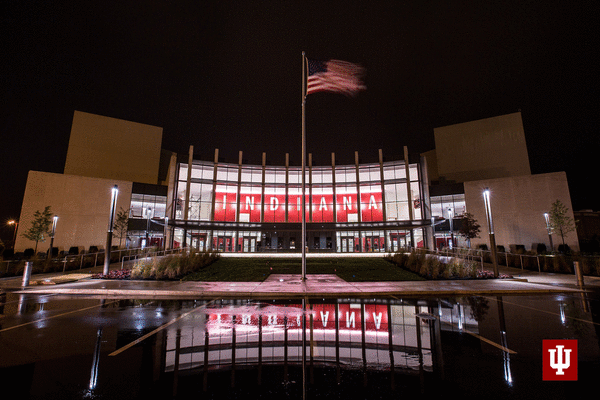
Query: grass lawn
{"type": "Point", "coordinates": [230, 269]}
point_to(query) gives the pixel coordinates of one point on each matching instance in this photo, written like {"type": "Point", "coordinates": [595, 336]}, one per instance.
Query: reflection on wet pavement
{"type": "Point", "coordinates": [483, 346]}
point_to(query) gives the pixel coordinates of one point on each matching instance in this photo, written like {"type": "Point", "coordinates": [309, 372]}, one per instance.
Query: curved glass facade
{"type": "Point", "coordinates": [250, 208]}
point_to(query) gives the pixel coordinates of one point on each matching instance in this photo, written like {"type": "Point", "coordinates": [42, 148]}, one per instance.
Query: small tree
{"type": "Point", "coordinates": [40, 227]}
{"type": "Point", "coordinates": [121, 225]}
{"type": "Point", "coordinates": [560, 221]}
{"type": "Point", "coordinates": [469, 227]}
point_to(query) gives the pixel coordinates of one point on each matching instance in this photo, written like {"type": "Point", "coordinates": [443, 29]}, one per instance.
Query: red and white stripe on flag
{"type": "Point", "coordinates": [334, 76]}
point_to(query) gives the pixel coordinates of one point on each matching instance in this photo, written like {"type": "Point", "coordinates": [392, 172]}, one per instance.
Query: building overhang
{"type": "Point", "coordinates": [296, 226]}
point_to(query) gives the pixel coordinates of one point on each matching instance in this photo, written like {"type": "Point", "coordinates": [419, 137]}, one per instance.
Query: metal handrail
{"type": "Point", "coordinates": [149, 254]}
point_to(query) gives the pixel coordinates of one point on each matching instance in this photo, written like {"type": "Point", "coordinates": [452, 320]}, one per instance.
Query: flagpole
{"type": "Point", "coordinates": [303, 243]}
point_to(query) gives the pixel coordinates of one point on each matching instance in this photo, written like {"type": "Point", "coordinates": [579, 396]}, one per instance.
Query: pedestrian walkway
{"type": "Point", "coordinates": [292, 286]}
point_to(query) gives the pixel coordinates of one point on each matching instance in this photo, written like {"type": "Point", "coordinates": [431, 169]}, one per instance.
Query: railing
{"type": "Point", "coordinates": [547, 262]}
{"type": "Point", "coordinates": [153, 253]}
{"type": "Point", "coordinates": [95, 259]}
{"type": "Point", "coordinates": [463, 253]}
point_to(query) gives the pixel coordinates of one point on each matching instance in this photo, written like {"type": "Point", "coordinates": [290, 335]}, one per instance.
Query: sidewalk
{"type": "Point", "coordinates": [288, 285]}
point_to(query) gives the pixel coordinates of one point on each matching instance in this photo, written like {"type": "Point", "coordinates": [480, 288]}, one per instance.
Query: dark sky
{"type": "Point", "coordinates": [227, 75]}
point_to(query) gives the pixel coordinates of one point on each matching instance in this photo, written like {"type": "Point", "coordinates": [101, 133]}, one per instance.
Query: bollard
{"type": "Point", "coordinates": [27, 273]}
{"type": "Point", "coordinates": [578, 273]}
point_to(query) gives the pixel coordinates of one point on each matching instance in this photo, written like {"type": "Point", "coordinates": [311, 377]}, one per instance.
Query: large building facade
{"type": "Point", "coordinates": [175, 200]}
{"type": "Point", "coordinates": [252, 208]}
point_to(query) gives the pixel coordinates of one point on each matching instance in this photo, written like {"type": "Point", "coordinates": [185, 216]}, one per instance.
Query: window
{"type": "Point", "coordinates": [369, 174]}
{"type": "Point", "coordinates": [393, 172]}
{"type": "Point", "coordinates": [147, 206]}
{"type": "Point", "coordinates": [204, 172]}
{"type": "Point", "coordinates": [227, 173]}
{"type": "Point", "coordinates": [345, 175]}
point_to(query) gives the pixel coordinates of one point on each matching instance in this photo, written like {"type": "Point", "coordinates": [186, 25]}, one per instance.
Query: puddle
{"type": "Point", "coordinates": [354, 348]}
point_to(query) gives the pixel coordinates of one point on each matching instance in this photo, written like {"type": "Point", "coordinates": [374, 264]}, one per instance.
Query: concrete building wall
{"type": "Point", "coordinates": [111, 148]}
{"type": "Point", "coordinates": [82, 205]}
{"type": "Point", "coordinates": [518, 207]}
{"type": "Point", "coordinates": [483, 149]}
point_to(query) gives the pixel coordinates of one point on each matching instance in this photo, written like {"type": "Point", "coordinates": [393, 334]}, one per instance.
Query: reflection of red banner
{"type": "Point", "coordinates": [350, 317]}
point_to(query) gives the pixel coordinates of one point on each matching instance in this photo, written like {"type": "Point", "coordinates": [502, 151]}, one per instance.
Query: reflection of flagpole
{"type": "Point", "coordinates": [303, 243]}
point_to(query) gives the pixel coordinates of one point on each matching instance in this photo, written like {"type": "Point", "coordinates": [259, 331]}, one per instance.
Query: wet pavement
{"type": "Point", "coordinates": [385, 347]}
{"type": "Point", "coordinates": [71, 337]}
{"type": "Point", "coordinates": [289, 285]}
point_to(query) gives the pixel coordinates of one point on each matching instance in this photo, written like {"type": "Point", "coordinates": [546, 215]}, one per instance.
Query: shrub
{"type": "Point", "coordinates": [412, 264]}
{"type": "Point", "coordinates": [433, 268]}
{"type": "Point", "coordinates": [437, 267]}
{"type": "Point", "coordinates": [173, 266]}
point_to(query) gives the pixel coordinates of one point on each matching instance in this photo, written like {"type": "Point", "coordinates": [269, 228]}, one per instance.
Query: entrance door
{"type": "Point", "coordinates": [198, 241]}
{"type": "Point", "coordinates": [249, 245]}
{"type": "Point", "coordinates": [224, 243]}
{"type": "Point", "coordinates": [347, 244]}
{"type": "Point", "coordinates": [374, 243]}
{"type": "Point", "coordinates": [398, 241]}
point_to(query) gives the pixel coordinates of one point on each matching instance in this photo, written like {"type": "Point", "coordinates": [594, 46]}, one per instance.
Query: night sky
{"type": "Point", "coordinates": [227, 75]}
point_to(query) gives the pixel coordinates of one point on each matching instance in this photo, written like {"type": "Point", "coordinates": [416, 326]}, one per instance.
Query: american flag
{"type": "Point", "coordinates": [334, 76]}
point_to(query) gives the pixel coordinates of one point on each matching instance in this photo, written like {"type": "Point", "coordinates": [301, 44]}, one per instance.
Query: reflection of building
{"type": "Point", "coordinates": [236, 207]}
{"type": "Point", "coordinates": [347, 335]}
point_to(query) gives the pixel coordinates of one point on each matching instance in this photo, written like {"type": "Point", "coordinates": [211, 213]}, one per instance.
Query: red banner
{"type": "Point", "coordinates": [346, 206]}
{"type": "Point", "coordinates": [347, 209]}
{"type": "Point", "coordinates": [295, 207]}
{"type": "Point", "coordinates": [225, 205]}
{"type": "Point", "coordinates": [274, 208]}
{"type": "Point", "coordinates": [322, 208]}
{"type": "Point", "coordinates": [371, 207]}
{"type": "Point", "coordinates": [250, 206]}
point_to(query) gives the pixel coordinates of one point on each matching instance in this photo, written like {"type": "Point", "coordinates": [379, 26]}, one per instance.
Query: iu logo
{"type": "Point", "coordinates": [560, 360]}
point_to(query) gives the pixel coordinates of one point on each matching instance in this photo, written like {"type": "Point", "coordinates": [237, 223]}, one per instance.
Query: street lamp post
{"type": "Point", "coordinates": [451, 220]}
{"type": "Point", "coordinates": [54, 220]}
{"type": "Point", "coordinates": [111, 220]}
{"type": "Point", "coordinates": [549, 230]}
{"type": "Point", "coordinates": [15, 223]}
{"type": "Point", "coordinates": [488, 214]}
{"type": "Point", "coordinates": [165, 233]}
{"type": "Point", "coordinates": [148, 218]}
